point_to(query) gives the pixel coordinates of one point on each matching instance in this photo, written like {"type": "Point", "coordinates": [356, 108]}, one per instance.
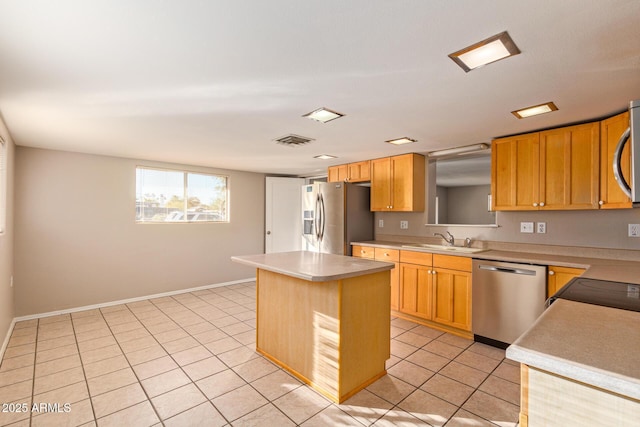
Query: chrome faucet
{"type": "Point", "coordinates": [450, 240]}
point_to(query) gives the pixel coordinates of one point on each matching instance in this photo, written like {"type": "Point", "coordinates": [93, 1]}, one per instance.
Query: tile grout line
{"type": "Point", "coordinates": [84, 374]}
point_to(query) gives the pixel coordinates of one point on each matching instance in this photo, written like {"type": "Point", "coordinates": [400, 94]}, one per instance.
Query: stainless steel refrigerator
{"type": "Point", "coordinates": [334, 214]}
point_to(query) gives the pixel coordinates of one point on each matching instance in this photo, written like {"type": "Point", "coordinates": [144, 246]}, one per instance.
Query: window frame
{"type": "Point", "coordinates": [185, 188]}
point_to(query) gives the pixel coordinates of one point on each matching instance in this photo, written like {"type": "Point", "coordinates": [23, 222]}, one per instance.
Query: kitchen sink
{"type": "Point", "coordinates": [459, 249]}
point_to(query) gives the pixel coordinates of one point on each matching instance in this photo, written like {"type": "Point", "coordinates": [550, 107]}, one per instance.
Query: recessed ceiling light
{"type": "Point", "coordinates": [325, 157]}
{"type": "Point", "coordinates": [400, 141]}
{"type": "Point", "coordinates": [535, 110]}
{"type": "Point", "coordinates": [323, 115]}
{"type": "Point", "coordinates": [485, 52]}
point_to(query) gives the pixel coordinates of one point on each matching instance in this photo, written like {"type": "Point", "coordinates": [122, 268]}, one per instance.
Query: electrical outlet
{"type": "Point", "coordinates": [634, 230]}
{"type": "Point", "coordinates": [526, 227]}
{"type": "Point", "coordinates": [380, 223]}
{"type": "Point", "coordinates": [541, 227]}
{"type": "Point", "coordinates": [404, 225]}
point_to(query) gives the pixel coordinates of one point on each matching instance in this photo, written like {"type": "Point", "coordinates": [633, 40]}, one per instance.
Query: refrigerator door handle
{"type": "Point", "coordinates": [617, 167]}
{"type": "Point", "coordinates": [322, 222]}
{"type": "Point", "coordinates": [316, 218]}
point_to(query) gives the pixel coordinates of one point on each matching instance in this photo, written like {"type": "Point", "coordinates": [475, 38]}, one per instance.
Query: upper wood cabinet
{"type": "Point", "coordinates": [611, 196]}
{"type": "Point", "coordinates": [338, 173]}
{"type": "Point", "coordinates": [397, 183]}
{"type": "Point", "coordinates": [360, 171]}
{"type": "Point", "coordinates": [351, 172]}
{"type": "Point", "coordinates": [557, 169]}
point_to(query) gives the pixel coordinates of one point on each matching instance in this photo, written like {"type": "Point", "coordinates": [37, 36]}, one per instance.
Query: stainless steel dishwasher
{"type": "Point", "coordinates": [507, 298]}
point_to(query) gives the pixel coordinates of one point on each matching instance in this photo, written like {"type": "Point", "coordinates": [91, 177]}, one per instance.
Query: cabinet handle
{"type": "Point", "coordinates": [601, 202]}
{"type": "Point", "coordinates": [386, 254]}
{"type": "Point", "coordinates": [551, 272]}
{"type": "Point", "coordinates": [541, 203]}
{"type": "Point", "coordinates": [535, 205]}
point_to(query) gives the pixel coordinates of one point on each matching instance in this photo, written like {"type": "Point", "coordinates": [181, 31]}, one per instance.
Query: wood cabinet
{"type": "Point", "coordinates": [350, 172]}
{"type": "Point", "coordinates": [397, 183]}
{"type": "Point", "coordinates": [386, 255]}
{"type": "Point", "coordinates": [338, 173]}
{"type": "Point", "coordinates": [436, 287]}
{"type": "Point", "coordinates": [391, 255]}
{"type": "Point", "coordinates": [359, 171]}
{"type": "Point", "coordinates": [558, 169]}
{"type": "Point", "coordinates": [452, 291]}
{"type": "Point", "coordinates": [611, 196]}
{"type": "Point", "coordinates": [559, 276]}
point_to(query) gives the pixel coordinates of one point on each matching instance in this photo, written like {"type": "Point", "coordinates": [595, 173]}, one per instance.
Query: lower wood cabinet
{"type": "Point", "coordinates": [416, 290]}
{"type": "Point", "coordinates": [386, 255]}
{"type": "Point", "coordinates": [437, 288]}
{"type": "Point", "coordinates": [560, 276]}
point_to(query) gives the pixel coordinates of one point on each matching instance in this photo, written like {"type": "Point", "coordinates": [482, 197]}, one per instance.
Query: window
{"type": "Point", "coordinates": [3, 185]}
{"type": "Point", "coordinates": [170, 196]}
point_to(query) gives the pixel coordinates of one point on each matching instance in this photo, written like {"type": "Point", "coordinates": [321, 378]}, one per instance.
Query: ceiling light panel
{"type": "Point", "coordinates": [535, 110]}
{"type": "Point", "coordinates": [323, 115]}
{"type": "Point", "coordinates": [485, 52]}
{"type": "Point", "coordinates": [400, 141]}
{"type": "Point", "coordinates": [325, 157]}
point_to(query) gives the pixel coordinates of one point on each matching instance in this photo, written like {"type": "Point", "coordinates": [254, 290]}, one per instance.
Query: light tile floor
{"type": "Point", "coordinates": [190, 360]}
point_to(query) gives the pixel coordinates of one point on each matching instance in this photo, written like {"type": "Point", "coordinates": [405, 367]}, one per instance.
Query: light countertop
{"type": "Point", "coordinates": [313, 266]}
{"type": "Point", "coordinates": [597, 268]}
{"type": "Point", "coordinates": [588, 343]}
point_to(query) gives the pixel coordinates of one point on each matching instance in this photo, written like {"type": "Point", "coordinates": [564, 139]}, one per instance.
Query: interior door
{"type": "Point", "coordinates": [283, 216]}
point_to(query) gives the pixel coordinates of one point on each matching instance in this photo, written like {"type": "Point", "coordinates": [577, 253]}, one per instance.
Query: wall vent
{"type": "Point", "coordinates": [292, 140]}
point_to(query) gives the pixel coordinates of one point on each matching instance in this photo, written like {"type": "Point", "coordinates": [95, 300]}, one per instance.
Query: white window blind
{"type": "Point", "coordinates": [180, 196]}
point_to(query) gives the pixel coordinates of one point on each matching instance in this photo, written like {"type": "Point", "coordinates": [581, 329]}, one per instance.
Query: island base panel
{"type": "Point", "coordinates": [333, 335]}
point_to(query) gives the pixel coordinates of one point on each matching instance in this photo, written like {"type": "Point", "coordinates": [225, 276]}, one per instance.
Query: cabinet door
{"type": "Point", "coordinates": [611, 196]}
{"type": "Point", "coordinates": [570, 167]}
{"type": "Point", "coordinates": [407, 188]}
{"type": "Point", "coordinates": [338, 173]}
{"type": "Point", "coordinates": [360, 171]}
{"type": "Point", "coordinates": [452, 298]}
{"type": "Point", "coordinates": [560, 276]}
{"type": "Point", "coordinates": [381, 184]}
{"type": "Point", "coordinates": [515, 171]}
{"type": "Point", "coordinates": [416, 290]}
{"type": "Point", "coordinates": [391, 255]}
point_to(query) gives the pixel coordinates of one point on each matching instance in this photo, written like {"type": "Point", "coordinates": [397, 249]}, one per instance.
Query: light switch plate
{"type": "Point", "coordinates": [634, 230]}
{"type": "Point", "coordinates": [526, 227]}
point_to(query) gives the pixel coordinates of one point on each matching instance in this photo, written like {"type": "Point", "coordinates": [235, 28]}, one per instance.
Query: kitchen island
{"type": "Point", "coordinates": [325, 318]}
{"type": "Point", "coordinates": [580, 365]}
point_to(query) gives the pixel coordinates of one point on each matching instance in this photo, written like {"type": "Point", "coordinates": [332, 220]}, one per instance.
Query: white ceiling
{"type": "Point", "coordinates": [214, 82]}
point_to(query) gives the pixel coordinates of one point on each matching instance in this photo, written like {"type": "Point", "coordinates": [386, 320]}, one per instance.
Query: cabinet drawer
{"type": "Point", "coordinates": [362, 251]}
{"type": "Point", "coordinates": [452, 262]}
{"type": "Point", "coordinates": [411, 257]}
{"type": "Point", "coordinates": [390, 255]}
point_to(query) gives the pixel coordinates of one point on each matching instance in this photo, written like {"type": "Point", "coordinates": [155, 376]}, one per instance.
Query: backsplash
{"type": "Point", "coordinates": [586, 229]}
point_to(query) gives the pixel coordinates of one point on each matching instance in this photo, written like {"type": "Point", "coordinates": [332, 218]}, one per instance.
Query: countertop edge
{"type": "Point", "coordinates": [384, 266]}
{"type": "Point", "coordinates": [588, 375]}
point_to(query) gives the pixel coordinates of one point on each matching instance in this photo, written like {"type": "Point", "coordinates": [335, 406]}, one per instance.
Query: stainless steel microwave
{"type": "Point", "coordinates": [631, 135]}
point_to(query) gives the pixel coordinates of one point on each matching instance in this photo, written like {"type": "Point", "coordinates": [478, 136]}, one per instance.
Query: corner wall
{"type": "Point", "coordinates": [6, 244]}
{"type": "Point", "coordinates": [78, 243]}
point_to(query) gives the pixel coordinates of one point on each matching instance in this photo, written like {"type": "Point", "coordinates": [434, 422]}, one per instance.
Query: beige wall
{"type": "Point", "coordinates": [6, 244]}
{"type": "Point", "coordinates": [593, 229]}
{"type": "Point", "coordinates": [78, 244]}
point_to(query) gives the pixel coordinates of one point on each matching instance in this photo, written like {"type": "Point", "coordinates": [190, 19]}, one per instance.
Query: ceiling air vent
{"type": "Point", "coordinates": [293, 140]}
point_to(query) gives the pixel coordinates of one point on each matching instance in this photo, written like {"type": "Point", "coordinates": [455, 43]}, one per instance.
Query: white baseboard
{"type": "Point", "coordinates": [6, 339]}
{"type": "Point", "coordinates": [124, 301]}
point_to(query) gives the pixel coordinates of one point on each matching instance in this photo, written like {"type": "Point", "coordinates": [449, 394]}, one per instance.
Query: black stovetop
{"type": "Point", "coordinates": [625, 296]}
